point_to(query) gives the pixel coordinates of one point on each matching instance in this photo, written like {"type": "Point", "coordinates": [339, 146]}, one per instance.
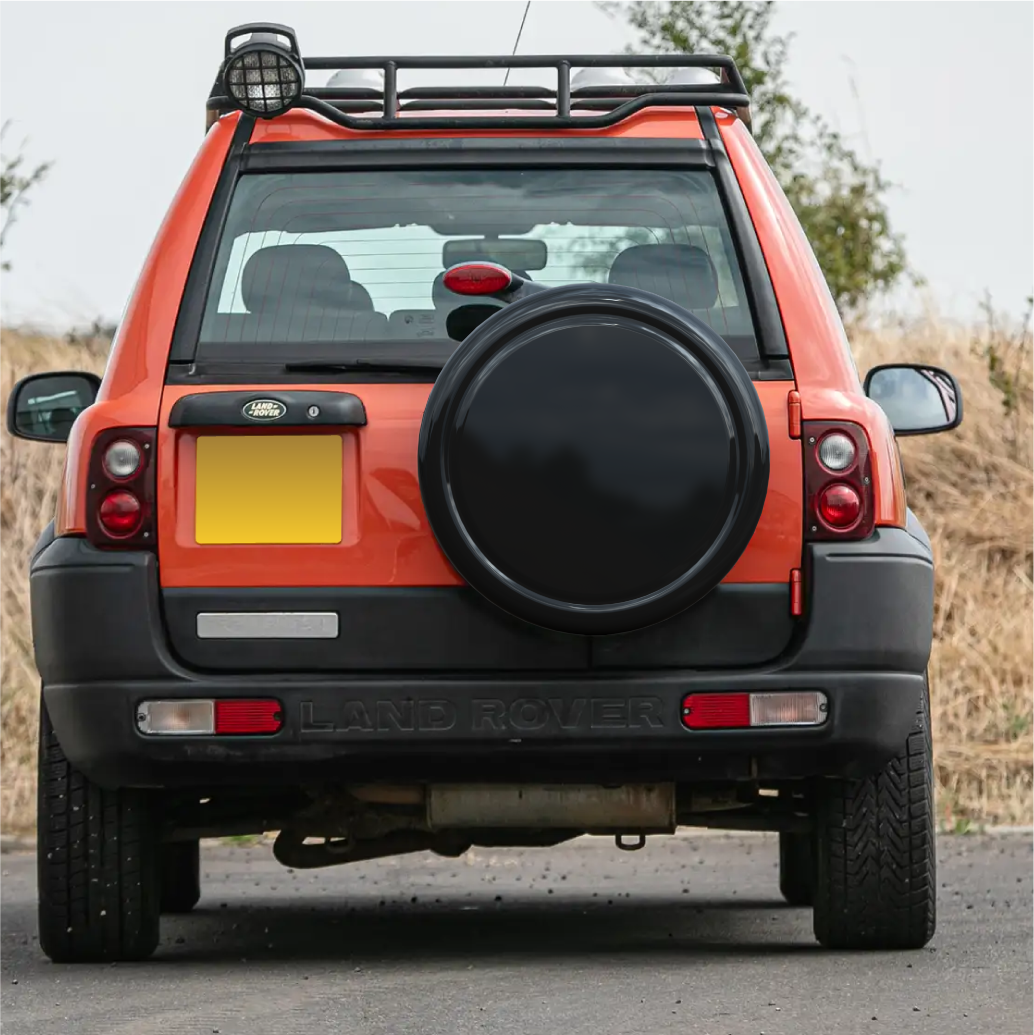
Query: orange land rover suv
{"type": "Point", "coordinates": [480, 465]}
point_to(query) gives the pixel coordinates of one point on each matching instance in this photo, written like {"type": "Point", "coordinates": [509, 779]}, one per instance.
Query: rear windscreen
{"type": "Point", "coordinates": [330, 265]}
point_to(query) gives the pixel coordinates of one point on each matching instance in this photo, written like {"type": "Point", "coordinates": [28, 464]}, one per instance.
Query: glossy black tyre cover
{"type": "Point", "coordinates": [593, 459]}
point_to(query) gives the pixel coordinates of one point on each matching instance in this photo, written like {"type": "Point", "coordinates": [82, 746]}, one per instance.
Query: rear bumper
{"type": "Point", "coordinates": [485, 729]}
{"type": "Point", "coordinates": [101, 648]}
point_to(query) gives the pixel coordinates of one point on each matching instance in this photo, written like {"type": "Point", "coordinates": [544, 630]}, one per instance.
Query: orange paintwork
{"type": "Point", "coordinates": [299, 126]}
{"type": "Point", "coordinates": [386, 539]}
{"type": "Point", "coordinates": [131, 391]}
{"type": "Point", "coordinates": [826, 376]}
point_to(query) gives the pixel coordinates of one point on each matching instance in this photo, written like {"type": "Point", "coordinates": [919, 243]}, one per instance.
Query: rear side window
{"type": "Point", "coordinates": [334, 264]}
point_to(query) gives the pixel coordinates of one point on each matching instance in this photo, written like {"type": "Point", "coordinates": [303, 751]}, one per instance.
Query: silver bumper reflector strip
{"type": "Point", "coordinates": [267, 625]}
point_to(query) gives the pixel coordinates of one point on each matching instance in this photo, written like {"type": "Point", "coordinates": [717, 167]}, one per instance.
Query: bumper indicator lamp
{"type": "Point", "coordinates": [745, 710]}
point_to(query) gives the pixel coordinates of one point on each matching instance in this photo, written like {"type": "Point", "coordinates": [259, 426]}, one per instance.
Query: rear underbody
{"type": "Point", "coordinates": [416, 705]}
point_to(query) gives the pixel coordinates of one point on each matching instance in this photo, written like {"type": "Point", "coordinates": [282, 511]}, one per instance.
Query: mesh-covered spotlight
{"type": "Point", "coordinates": [263, 76]}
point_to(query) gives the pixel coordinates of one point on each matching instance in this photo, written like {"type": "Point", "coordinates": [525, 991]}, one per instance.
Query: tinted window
{"type": "Point", "coordinates": [326, 265]}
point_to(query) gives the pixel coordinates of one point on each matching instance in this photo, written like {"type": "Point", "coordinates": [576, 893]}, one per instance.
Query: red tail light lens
{"type": "Point", "coordinates": [477, 278]}
{"type": "Point", "coordinates": [121, 489]}
{"type": "Point", "coordinates": [839, 506]}
{"type": "Point", "coordinates": [120, 513]}
{"type": "Point", "coordinates": [837, 481]}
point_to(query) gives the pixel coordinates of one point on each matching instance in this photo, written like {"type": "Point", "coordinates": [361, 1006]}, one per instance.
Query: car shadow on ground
{"type": "Point", "coordinates": [481, 929]}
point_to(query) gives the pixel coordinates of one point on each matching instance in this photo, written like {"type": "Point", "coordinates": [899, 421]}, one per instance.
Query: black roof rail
{"type": "Point", "coordinates": [372, 109]}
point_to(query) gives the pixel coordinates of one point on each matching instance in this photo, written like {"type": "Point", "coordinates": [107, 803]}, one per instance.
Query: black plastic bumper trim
{"type": "Point", "coordinates": [101, 647]}
{"type": "Point", "coordinates": [541, 728]}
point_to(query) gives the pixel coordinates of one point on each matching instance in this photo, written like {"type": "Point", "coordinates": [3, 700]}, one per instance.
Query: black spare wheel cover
{"type": "Point", "coordinates": [593, 459]}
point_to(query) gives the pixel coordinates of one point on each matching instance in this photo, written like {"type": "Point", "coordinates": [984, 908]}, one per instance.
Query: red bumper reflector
{"type": "Point", "coordinates": [758, 708]}
{"type": "Point", "coordinates": [262, 716]}
{"type": "Point", "coordinates": [716, 711]}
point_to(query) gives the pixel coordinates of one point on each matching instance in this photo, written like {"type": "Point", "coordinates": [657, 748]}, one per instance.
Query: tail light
{"type": "Point", "coordinates": [208, 717]}
{"type": "Point", "coordinates": [120, 489]}
{"type": "Point", "coordinates": [746, 710]}
{"type": "Point", "coordinates": [839, 506]}
{"type": "Point", "coordinates": [120, 514]}
{"type": "Point", "coordinates": [837, 481]}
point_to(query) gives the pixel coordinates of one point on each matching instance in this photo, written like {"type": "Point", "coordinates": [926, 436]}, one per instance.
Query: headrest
{"type": "Point", "coordinates": [681, 272]}
{"type": "Point", "coordinates": [310, 276]}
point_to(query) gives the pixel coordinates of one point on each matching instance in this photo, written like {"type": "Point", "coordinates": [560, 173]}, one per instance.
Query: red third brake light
{"type": "Point", "coordinates": [120, 513]}
{"type": "Point", "coordinates": [477, 278]}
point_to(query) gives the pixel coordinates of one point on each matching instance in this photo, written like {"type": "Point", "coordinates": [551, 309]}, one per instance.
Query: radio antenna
{"type": "Point", "coordinates": [516, 42]}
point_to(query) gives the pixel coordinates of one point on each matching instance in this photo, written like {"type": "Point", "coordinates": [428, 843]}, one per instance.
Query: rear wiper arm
{"type": "Point", "coordinates": [377, 366]}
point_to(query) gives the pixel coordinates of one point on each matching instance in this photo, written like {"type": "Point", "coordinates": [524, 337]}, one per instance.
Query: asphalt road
{"type": "Point", "coordinates": [688, 935]}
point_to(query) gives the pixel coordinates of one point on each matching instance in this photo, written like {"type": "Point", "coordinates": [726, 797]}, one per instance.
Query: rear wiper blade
{"type": "Point", "coordinates": [376, 366]}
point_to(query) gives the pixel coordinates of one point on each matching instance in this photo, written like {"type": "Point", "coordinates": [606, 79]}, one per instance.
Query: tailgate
{"type": "Point", "coordinates": [306, 548]}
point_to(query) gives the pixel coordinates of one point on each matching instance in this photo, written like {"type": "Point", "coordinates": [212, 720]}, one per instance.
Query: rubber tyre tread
{"type": "Point", "coordinates": [97, 864]}
{"type": "Point", "coordinates": [180, 876]}
{"type": "Point", "coordinates": [796, 868]}
{"type": "Point", "coordinates": [876, 852]}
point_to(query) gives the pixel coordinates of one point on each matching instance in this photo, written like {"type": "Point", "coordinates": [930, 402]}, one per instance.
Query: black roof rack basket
{"type": "Point", "coordinates": [373, 109]}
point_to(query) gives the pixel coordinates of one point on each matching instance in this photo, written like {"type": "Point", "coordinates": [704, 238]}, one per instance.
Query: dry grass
{"type": "Point", "coordinates": [972, 489]}
{"type": "Point", "coordinates": [30, 474]}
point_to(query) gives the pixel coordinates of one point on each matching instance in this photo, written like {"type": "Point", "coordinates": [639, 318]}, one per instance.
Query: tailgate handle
{"type": "Point", "coordinates": [272, 409]}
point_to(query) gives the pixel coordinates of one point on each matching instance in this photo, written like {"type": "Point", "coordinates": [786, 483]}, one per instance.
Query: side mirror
{"type": "Point", "coordinates": [43, 407]}
{"type": "Point", "coordinates": [919, 400]}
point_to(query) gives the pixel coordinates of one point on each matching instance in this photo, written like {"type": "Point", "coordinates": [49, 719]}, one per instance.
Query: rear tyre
{"type": "Point", "coordinates": [97, 860]}
{"type": "Point", "coordinates": [796, 868]}
{"type": "Point", "coordinates": [875, 852]}
{"type": "Point", "coordinates": [180, 876]}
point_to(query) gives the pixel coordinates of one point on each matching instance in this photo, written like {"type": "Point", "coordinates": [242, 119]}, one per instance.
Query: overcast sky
{"type": "Point", "coordinates": [114, 93]}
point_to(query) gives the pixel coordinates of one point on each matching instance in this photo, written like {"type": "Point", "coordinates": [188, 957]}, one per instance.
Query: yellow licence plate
{"type": "Point", "coordinates": [268, 489]}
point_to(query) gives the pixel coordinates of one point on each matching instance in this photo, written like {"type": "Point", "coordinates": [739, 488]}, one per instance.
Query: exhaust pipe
{"type": "Point", "coordinates": [290, 849]}
{"type": "Point", "coordinates": [642, 808]}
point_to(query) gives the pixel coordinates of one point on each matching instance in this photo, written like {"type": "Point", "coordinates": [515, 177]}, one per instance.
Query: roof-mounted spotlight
{"type": "Point", "coordinates": [264, 75]}
{"type": "Point", "coordinates": [358, 79]}
{"type": "Point", "coordinates": [692, 77]}
{"type": "Point", "coordinates": [600, 77]}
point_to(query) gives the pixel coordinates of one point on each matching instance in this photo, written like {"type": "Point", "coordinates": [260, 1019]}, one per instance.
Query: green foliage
{"type": "Point", "coordinates": [1007, 353]}
{"type": "Point", "coordinates": [15, 183]}
{"type": "Point", "coordinates": [244, 840]}
{"type": "Point", "coordinates": [839, 199]}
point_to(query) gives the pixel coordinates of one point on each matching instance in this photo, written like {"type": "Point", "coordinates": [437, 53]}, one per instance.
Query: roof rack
{"type": "Point", "coordinates": [344, 105]}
